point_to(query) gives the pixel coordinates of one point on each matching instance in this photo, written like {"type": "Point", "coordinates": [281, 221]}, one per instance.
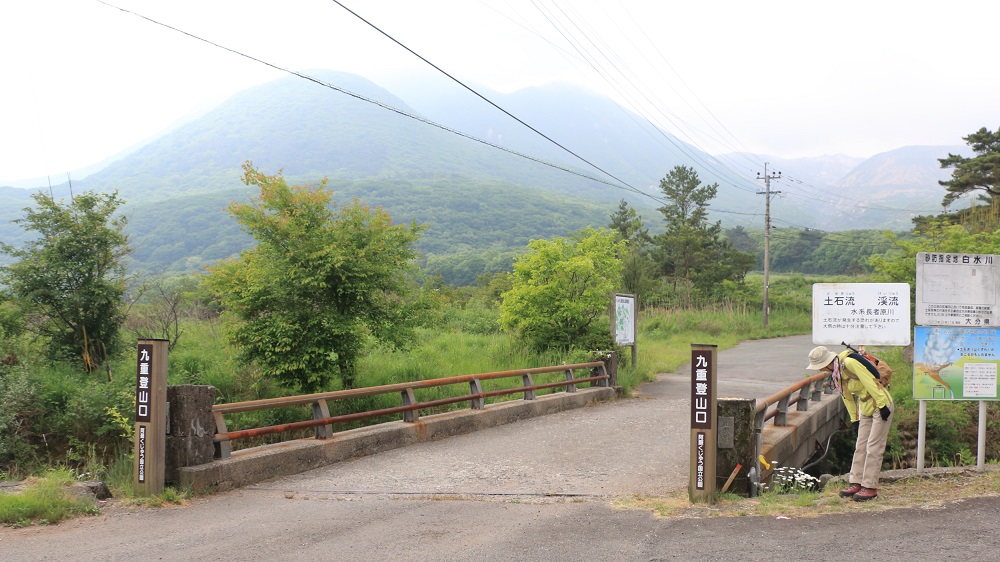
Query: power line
{"type": "Point", "coordinates": [480, 96]}
{"type": "Point", "coordinates": [624, 185]}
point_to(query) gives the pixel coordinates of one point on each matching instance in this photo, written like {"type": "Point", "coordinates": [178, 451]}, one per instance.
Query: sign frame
{"type": "Point", "coordinates": [955, 289]}
{"type": "Point", "coordinates": [861, 314]}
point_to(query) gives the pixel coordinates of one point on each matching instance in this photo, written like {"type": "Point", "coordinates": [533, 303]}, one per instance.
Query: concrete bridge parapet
{"type": "Point", "coordinates": [804, 434]}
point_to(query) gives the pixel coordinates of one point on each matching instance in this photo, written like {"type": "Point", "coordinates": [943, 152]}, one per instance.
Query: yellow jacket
{"type": "Point", "coordinates": [856, 380]}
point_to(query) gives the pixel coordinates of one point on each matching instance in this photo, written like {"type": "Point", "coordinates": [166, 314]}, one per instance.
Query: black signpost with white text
{"type": "Point", "coordinates": [704, 412]}
{"type": "Point", "coordinates": [150, 416]}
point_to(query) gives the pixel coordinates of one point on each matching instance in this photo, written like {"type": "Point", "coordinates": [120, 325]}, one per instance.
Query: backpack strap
{"type": "Point", "coordinates": [845, 372]}
{"type": "Point", "coordinates": [868, 364]}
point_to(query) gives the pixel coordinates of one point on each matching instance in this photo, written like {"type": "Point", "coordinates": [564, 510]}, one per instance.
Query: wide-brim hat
{"type": "Point", "coordinates": [820, 357]}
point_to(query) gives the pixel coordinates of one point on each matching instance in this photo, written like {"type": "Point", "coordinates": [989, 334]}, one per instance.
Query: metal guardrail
{"type": "Point", "coordinates": [323, 421]}
{"type": "Point", "coordinates": [809, 390]}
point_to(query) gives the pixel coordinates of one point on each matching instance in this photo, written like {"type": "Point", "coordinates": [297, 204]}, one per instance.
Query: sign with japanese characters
{"type": "Point", "coordinates": [703, 427]}
{"type": "Point", "coordinates": [149, 448]}
{"type": "Point", "coordinates": [861, 313]}
{"type": "Point", "coordinates": [957, 289]}
{"type": "Point", "coordinates": [624, 319]}
{"type": "Point", "coordinates": [952, 363]}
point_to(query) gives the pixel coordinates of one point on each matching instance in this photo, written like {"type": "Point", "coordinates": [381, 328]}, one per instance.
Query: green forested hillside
{"type": "Point", "coordinates": [466, 219]}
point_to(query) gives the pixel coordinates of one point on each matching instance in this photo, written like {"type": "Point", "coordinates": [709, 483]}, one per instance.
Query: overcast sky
{"type": "Point", "coordinates": [82, 81]}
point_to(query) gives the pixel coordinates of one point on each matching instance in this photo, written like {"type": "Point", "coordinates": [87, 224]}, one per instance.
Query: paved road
{"type": "Point", "coordinates": [540, 489]}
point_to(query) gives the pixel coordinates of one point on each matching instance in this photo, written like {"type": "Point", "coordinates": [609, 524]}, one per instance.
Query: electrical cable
{"type": "Point", "coordinates": [482, 97]}
{"type": "Point", "coordinates": [386, 106]}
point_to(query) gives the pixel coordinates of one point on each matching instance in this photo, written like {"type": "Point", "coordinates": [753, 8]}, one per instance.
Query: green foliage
{"type": "Point", "coordinates": [46, 502]}
{"type": "Point", "coordinates": [692, 251]}
{"type": "Point", "coordinates": [70, 280]}
{"type": "Point", "coordinates": [561, 287]}
{"type": "Point", "coordinates": [318, 283]}
{"type": "Point", "coordinates": [980, 173]}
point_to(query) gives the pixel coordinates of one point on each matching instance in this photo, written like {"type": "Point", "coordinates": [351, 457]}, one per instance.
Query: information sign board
{"type": "Point", "coordinates": [624, 319]}
{"type": "Point", "coordinates": [861, 313]}
{"type": "Point", "coordinates": [957, 289]}
{"type": "Point", "coordinates": [955, 363]}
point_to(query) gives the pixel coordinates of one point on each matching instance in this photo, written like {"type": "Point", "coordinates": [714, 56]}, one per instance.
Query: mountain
{"type": "Point", "coordinates": [906, 167]}
{"type": "Point", "coordinates": [420, 161]}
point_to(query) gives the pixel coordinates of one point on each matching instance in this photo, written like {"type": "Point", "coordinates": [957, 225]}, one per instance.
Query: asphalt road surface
{"type": "Point", "coordinates": [539, 489]}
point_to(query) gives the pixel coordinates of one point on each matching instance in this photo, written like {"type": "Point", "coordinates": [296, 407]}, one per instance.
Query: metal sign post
{"type": "Point", "coordinates": [150, 416]}
{"type": "Point", "coordinates": [704, 413]}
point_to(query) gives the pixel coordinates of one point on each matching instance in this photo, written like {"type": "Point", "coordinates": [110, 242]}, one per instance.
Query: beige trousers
{"type": "Point", "coordinates": [868, 451]}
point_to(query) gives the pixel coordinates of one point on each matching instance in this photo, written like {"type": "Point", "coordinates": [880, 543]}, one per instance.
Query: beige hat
{"type": "Point", "coordinates": [820, 357]}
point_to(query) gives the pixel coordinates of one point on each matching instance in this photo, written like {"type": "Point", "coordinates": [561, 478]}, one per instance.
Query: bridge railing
{"type": "Point", "coordinates": [808, 389]}
{"type": "Point", "coordinates": [800, 395]}
{"type": "Point", "coordinates": [323, 422]}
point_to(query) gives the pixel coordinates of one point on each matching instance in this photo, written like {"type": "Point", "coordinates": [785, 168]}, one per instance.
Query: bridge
{"type": "Point", "coordinates": [538, 489]}
{"type": "Point", "coordinates": [585, 446]}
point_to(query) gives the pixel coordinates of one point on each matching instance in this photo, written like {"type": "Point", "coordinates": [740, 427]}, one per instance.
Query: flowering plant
{"type": "Point", "coordinates": [788, 480]}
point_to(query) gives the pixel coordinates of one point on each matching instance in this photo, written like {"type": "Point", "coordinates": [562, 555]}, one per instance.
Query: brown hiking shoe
{"type": "Point", "coordinates": [850, 490]}
{"type": "Point", "coordinates": [866, 494]}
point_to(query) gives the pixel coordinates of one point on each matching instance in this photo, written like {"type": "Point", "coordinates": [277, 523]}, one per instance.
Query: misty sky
{"type": "Point", "coordinates": [83, 80]}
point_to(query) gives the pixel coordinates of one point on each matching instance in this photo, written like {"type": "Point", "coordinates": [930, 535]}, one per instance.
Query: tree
{"type": "Point", "coordinates": [560, 287]}
{"type": "Point", "coordinates": [628, 224]}
{"type": "Point", "coordinates": [71, 278]}
{"type": "Point", "coordinates": [319, 282]}
{"type": "Point", "coordinates": [638, 268]}
{"type": "Point", "coordinates": [692, 250]}
{"type": "Point", "coordinates": [979, 173]}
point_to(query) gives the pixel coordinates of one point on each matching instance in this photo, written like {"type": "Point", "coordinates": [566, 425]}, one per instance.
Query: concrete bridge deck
{"type": "Point", "coordinates": [631, 446]}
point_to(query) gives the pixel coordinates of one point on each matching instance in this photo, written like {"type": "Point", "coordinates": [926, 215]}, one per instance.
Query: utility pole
{"type": "Point", "coordinates": [767, 193]}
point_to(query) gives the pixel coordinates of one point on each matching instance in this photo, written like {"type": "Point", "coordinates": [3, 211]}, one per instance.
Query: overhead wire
{"type": "Point", "coordinates": [623, 185]}
{"type": "Point", "coordinates": [618, 67]}
{"type": "Point", "coordinates": [484, 98]}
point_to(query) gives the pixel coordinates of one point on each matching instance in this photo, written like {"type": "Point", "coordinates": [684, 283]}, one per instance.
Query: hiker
{"type": "Point", "coordinates": [870, 407]}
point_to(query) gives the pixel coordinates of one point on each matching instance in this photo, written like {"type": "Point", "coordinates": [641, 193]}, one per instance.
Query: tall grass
{"type": "Point", "coordinates": [665, 335]}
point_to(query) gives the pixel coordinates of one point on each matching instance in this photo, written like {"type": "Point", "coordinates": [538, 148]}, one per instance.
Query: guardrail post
{"type": "Point", "coordinates": [603, 371]}
{"type": "Point", "coordinates": [409, 399]}
{"type": "Point", "coordinates": [609, 368]}
{"type": "Point", "coordinates": [802, 404]}
{"type": "Point", "coordinates": [529, 393]}
{"type": "Point", "coordinates": [781, 418]}
{"type": "Point", "coordinates": [223, 449]}
{"type": "Point", "coordinates": [828, 385]}
{"type": "Point", "coordinates": [322, 411]}
{"type": "Point", "coordinates": [569, 377]}
{"type": "Point", "coordinates": [476, 387]}
{"type": "Point", "coordinates": [817, 391]}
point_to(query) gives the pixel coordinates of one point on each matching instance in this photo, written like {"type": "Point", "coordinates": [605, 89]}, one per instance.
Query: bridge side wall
{"type": "Point", "coordinates": [249, 466]}
{"type": "Point", "coordinates": [805, 433]}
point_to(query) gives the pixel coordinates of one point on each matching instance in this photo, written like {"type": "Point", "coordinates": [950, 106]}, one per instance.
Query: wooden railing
{"type": "Point", "coordinates": [323, 422]}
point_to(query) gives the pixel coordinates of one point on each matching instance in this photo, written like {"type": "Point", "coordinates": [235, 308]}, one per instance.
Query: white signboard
{"type": "Point", "coordinates": [861, 313]}
{"type": "Point", "coordinates": [625, 319]}
{"type": "Point", "coordinates": [957, 290]}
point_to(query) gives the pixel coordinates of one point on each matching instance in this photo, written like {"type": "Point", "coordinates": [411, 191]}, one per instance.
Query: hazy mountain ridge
{"type": "Point", "coordinates": [470, 195]}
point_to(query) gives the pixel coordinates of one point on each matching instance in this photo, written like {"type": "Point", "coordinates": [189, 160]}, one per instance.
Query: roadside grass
{"type": "Point", "coordinates": [46, 501]}
{"type": "Point", "coordinates": [932, 491]}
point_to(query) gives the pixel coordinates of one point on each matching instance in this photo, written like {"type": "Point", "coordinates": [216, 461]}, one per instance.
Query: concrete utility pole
{"type": "Point", "coordinates": [767, 193]}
